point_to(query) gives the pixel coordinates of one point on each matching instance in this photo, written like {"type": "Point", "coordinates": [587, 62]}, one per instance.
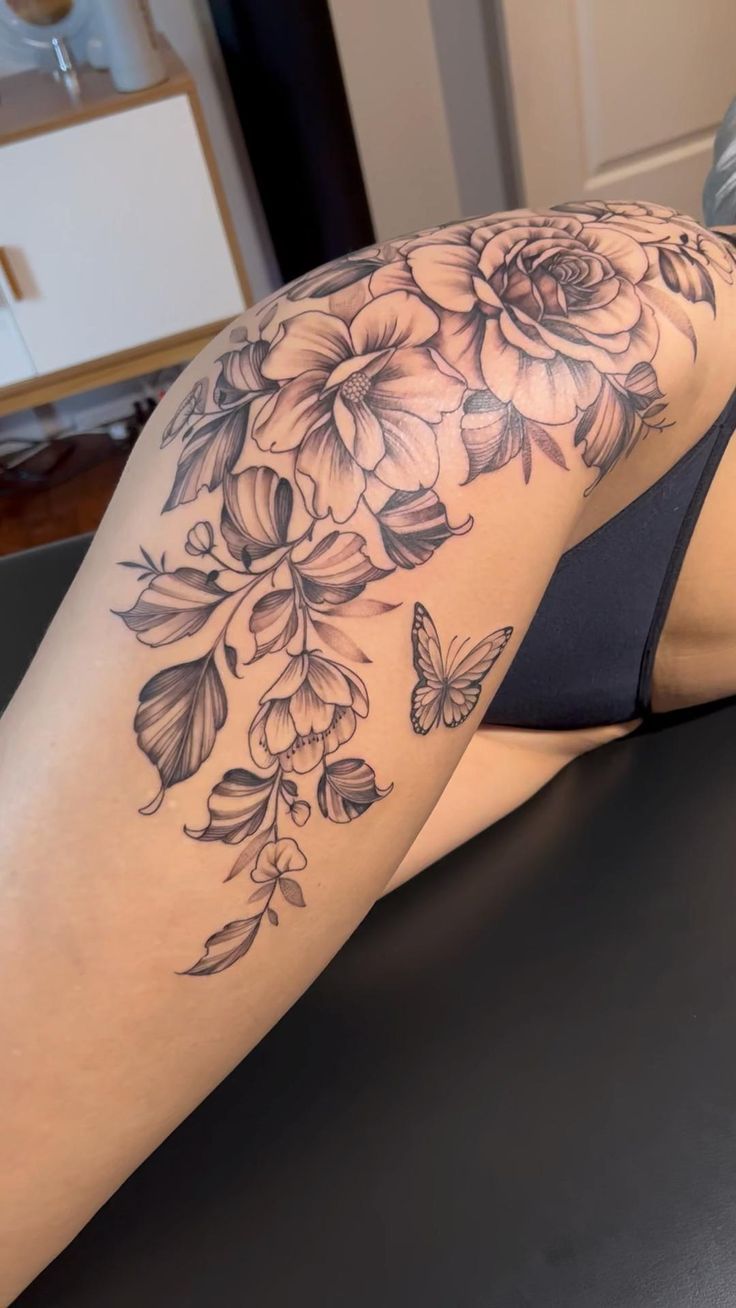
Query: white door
{"type": "Point", "coordinates": [116, 235]}
{"type": "Point", "coordinates": [618, 100]}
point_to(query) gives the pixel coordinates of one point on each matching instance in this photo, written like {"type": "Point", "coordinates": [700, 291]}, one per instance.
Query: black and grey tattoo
{"type": "Point", "coordinates": [523, 324]}
{"type": "Point", "coordinates": [449, 684]}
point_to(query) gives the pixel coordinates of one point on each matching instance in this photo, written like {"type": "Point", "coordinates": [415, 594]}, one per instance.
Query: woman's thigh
{"type": "Point", "coordinates": [206, 733]}
{"type": "Point", "coordinates": [335, 531]}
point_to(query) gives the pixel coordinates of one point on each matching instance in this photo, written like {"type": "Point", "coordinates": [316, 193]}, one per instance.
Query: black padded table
{"type": "Point", "coordinates": [515, 1086]}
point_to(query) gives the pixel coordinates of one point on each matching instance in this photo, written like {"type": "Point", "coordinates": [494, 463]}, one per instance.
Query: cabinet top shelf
{"type": "Point", "coordinates": [34, 102]}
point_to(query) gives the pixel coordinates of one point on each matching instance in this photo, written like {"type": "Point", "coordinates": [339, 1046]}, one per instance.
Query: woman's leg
{"type": "Point", "coordinates": [106, 910]}
{"type": "Point", "coordinates": [321, 590]}
{"type": "Point", "coordinates": [500, 770]}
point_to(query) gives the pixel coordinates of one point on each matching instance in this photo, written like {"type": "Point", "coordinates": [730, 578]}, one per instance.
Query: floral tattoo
{"type": "Point", "coordinates": [521, 324]}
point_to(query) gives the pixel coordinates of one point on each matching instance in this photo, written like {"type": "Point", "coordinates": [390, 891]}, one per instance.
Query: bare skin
{"type": "Point", "coordinates": [696, 659]}
{"type": "Point", "coordinates": [384, 474]}
{"type": "Point", "coordinates": [500, 770]}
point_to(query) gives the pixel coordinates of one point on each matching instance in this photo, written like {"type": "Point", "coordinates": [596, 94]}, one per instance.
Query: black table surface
{"type": "Point", "coordinates": [514, 1086]}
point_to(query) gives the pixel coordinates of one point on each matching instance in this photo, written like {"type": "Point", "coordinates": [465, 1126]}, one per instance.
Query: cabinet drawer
{"type": "Point", "coordinates": [119, 236]}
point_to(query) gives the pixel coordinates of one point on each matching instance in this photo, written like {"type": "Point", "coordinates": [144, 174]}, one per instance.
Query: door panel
{"type": "Point", "coordinates": [119, 236]}
{"type": "Point", "coordinates": [660, 87]}
{"type": "Point", "coordinates": [618, 101]}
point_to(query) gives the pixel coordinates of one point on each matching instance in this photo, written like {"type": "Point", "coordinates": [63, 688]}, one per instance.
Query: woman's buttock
{"type": "Point", "coordinates": [696, 656]}
{"type": "Point", "coordinates": [695, 662]}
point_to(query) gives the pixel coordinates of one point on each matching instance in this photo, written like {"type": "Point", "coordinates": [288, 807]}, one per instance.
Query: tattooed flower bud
{"type": "Point", "coordinates": [300, 811]}
{"type": "Point", "coordinates": [240, 374]}
{"type": "Point", "coordinates": [277, 857]}
{"type": "Point", "coordinates": [307, 713]}
{"type": "Point", "coordinates": [347, 788]}
{"type": "Point", "coordinates": [200, 539]}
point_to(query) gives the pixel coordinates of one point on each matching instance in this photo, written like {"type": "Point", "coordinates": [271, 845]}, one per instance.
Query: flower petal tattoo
{"type": "Point", "coordinates": [540, 331]}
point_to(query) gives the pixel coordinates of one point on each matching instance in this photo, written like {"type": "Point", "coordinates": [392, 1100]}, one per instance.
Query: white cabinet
{"type": "Point", "coordinates": [117, 254]}
{"type": "Point", "coordinates": [115, 235]}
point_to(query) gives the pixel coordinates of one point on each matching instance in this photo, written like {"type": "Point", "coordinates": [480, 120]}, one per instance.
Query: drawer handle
{"type": "Point", "coordinates": [8, 271]}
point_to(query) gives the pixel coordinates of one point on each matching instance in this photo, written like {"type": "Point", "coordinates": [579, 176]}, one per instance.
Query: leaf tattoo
{"type": "Point", "coordinates": [238, 806]}
{"type": "Point", "coordinates": [174, 605]}
{"type": "Point", "coordinates": [347, 788]}
{"type": "Point", "coordinates": [226, 946]}
{"type": "Point", "coordinates": [209, 453]}
{"type": "Point", "coordinates": [180, 712]}
{"type": "Point", "coordinates": [275, 861]}
{"type": "Point", "coordinates": [413, 525]}
{"type": "Point", "coordinates": [337, 569]}
{"type": "Point", "coordinates": [494, 433]}
{"type": "Point", "coordinates": [326, 281]}
{"type": "Point", "coordinates": [192, 405]}
{"type": "Point", "coordinates": [540, 332]}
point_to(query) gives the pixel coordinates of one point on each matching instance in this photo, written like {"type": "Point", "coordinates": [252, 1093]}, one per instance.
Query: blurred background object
{"type": "Point", "coordinates": [719, 192]}
{"type": "Point", "coordinates": [213, 149]}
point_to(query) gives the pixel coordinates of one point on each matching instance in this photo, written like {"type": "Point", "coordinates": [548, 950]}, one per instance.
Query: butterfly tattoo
{"type": "Point", "coordinates": [449, 685]}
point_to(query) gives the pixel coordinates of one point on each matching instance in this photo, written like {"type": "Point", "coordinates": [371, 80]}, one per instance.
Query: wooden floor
{"type": "Point", "coordinates": [74, 504]}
